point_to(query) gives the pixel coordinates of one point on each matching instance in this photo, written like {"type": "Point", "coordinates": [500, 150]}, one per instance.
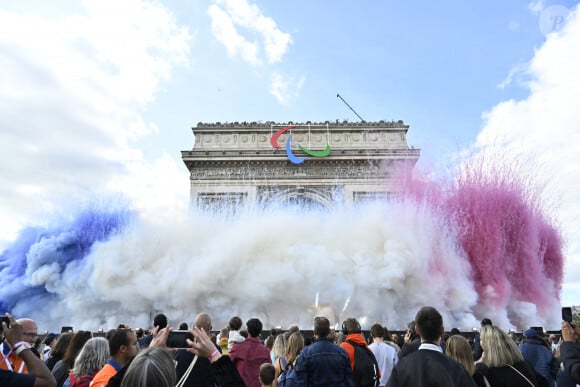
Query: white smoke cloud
{"type": "Point", "coordinates": [388, 259]}
{"type": "Point", "coordinates": [545, 126]}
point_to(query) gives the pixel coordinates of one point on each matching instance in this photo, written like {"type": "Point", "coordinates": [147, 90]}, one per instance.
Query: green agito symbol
{"type": "Point", "coordinates": [294, 159]}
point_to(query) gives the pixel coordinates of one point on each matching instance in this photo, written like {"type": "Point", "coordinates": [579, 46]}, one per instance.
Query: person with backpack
{"type": "Point", "coordinates": [285, 364]}
{"type": "Point", "coordinates": [362, 360]}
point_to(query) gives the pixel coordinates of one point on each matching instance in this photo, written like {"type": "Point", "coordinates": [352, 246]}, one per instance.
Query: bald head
{"type": "Point", "coordinates": [29, 330]}
{"type": "Point", "coordinates": [203, 321]}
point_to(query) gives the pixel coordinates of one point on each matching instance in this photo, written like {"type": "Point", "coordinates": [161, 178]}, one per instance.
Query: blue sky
{"type": "Point", "coordinates": [100, 96]}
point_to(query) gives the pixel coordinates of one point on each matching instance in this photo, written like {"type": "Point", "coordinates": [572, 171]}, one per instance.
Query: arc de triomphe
{"type": "Point", "coordinates": [318, 164]}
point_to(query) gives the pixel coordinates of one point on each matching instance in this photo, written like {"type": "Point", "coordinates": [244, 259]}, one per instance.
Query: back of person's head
{"type": "Point", "coordinates": [139, 332]}
{"type": "Point", "coordinates": [269, 342]}
{"type": "Point", "coordinates": [350, 326]}
{"type": "Point", "coordinates": [457, 347]}
{"type": "Point", "coordinates": [92, 356]}
{"type": "Point", "coordinates": [485, 322]}
{"type": "Point", "coordinates": [293, 328]}
{"type": "Point", "coordinates": [294, 346]}
{"type": "Point", "coordinates": [500, 350]}
{"type": "Point", "coordinates": [429, 323]}
{"type": "Point", "coordinates": [160, 320]}
{"type": "Point", "coordinates": [254, 327]}
{"type": "Point", "coordinates": [235, 323]}
{"type": "Point", "coordinates": [203, 320]}
{"type": "Point", "coordinates": [61, 345]}
{"type": "Point", "coordinates": [118, 339]}
{"type": "Point", "coordinates": [321, 327]}
{"type": "Point", "coordinates": [279, 347]}
{"type": "Point", "coordinates": [454, 331]}
{"type": "Point", "coordinates": [152, 367]}
{"type": "Point", "coordinates": [411, 327]}
{"type": "Point", "coordinates": [267, 374]}
{"type": "Point", "coordinates": [183, 326]}
{"type": "Point", "coordinates": [377, 330]}
{"type": "Point", "coordinates": [74, 347]}
{"type": "Point", "coordinates": [224, 332]}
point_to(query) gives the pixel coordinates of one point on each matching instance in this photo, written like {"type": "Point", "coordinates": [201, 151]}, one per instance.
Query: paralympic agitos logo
{"type": "Point", "coordinates": [293, 158]}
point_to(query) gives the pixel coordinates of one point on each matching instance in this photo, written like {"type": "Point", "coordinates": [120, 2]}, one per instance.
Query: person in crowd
{"type": "Point", "coordinates": [477, 351]}
{"type": "Point", "coordinates": [279, 347]}
{"type": "Point", "coordinates": [58, 350]}
{"type": "Point", "coordinates": [183, 326]}
{"type": "Point", "coordinates": [539, 356]}
{"type": "Point", "coordinates": [353, 331]}
{"type": "Point", "coordinates": [267, 375]}
{"type": "Point", "coordinates": [295, 344]}
{"type": "Point", "coordinates": [388, 339]}
{"type": "Point", "coordinates": [553, 342]}
{"type": "Point", "coordinates": [122, 347]}
{"type": "Point", "coordinates": [223, 340]}
{"type": "Point", "coordinates": [49, 342]}
{"type": "Point", "coordinates": [139, 333]}
{"type": "Point", "coordinates": [62, 367]}
{"type": "Point", "coordinates": [90, 359]}
{"type": "Point", "coordinates": [323, 363]}
{"type": "Point", "coordinates": [412, 341]}
{"type": "Point", "coordinates": [502, 364]}
{"type": "Point", "coordinates": [563, 379]}
{"type": "Point", "coordinates": [160, 320]}
{"type": "Point", "coordinates": [385, 354]}
{"type": "Point", "coordinates": [234, 326]}
{"type": "Point", "coordinates": [38, 375]}
{"type": "Point", "coordinates": [200, 374]}
{"type": "Point", "coordinates": [9, 360]}
{"type": "Point", "coordinates": [570, 350]}
{"type": "Point", "coordinates": [428, 366]}
{"type": "Point", "coordinates": [152, 367]}
{"type": "Point", "coordinates": [250, 354]}
{"type": "Point", "coordinates": [457, 347]}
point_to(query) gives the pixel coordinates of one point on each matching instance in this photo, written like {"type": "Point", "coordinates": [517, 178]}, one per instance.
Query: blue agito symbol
{"type": "Point", "coordinates": [291, 156]}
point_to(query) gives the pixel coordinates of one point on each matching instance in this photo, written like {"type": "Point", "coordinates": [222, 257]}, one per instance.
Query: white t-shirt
{"type": "Point", "coordinates": [386, 358]}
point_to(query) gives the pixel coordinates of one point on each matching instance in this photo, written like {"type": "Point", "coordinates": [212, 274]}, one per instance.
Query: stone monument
{"type": "Point", "coordinates": [311, 164]}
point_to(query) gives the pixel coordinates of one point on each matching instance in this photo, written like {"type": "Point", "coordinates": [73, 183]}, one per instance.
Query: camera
{"type": "Point", "coordinates": [177, 339]}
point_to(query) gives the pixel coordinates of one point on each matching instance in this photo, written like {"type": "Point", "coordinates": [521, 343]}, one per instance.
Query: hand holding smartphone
{"type": "Point", "coordinates": [178, 339]}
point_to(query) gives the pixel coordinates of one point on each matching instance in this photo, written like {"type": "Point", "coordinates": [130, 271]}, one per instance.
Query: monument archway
{"type": "Point", "coordinates": [318, 164]}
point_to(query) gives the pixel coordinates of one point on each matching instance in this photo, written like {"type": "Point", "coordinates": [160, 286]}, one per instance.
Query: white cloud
{"type": "Point", "coordinates": [244, 30]}
{"type": "Point", "coordinates": [73, 88]}
{"type": "Point", "coordinates": [285, 88]}
{"type": "Point", "coordinates": [536, 6]}
{"type": "Point", "coordinates": [546, 125]}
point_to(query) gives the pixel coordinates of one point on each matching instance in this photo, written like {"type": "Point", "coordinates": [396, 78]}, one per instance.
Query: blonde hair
{"type": "Point", "coordinates": [279, 347]}
{"type": "Point", "coordinates": [458, 348]}
{"type": "Point", "coordinates": [499, 349]}
{"type": "Point", "coordinates": [294, 346]}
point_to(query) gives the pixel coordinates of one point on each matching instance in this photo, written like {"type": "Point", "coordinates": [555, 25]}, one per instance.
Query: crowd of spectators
{"type": "Point", "coordinates": [240, 354]}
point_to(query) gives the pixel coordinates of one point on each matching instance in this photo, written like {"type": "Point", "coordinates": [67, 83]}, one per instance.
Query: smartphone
{"type": "Point", "coordinates": [177, 339]}
{"type": "Point", "coordinates": [6, 320]}
{"type": "Point", "coordinates": [567, 314]}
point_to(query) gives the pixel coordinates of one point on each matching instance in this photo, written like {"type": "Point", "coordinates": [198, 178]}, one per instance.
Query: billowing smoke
{"type": "Point", "coordinates": [474, 248]}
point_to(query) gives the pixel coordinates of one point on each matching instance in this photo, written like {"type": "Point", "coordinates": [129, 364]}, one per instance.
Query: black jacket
{"type": "Point", "coordinates": [429, 368]}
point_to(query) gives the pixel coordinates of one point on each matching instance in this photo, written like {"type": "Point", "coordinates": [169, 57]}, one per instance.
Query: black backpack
{"type": "Point", "coordinates": [366, 368]}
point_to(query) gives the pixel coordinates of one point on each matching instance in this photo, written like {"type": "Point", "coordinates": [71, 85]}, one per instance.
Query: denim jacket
{"type": "Point", "coordinates": [324, 363]}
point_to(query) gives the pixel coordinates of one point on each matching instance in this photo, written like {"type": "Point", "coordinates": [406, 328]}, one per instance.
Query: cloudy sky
{"type": "Point", "coordinates": [97, 98]}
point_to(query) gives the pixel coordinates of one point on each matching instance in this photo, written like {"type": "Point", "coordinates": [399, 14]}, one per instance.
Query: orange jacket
{"type": "Point", "coordinates": [354, 337]}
